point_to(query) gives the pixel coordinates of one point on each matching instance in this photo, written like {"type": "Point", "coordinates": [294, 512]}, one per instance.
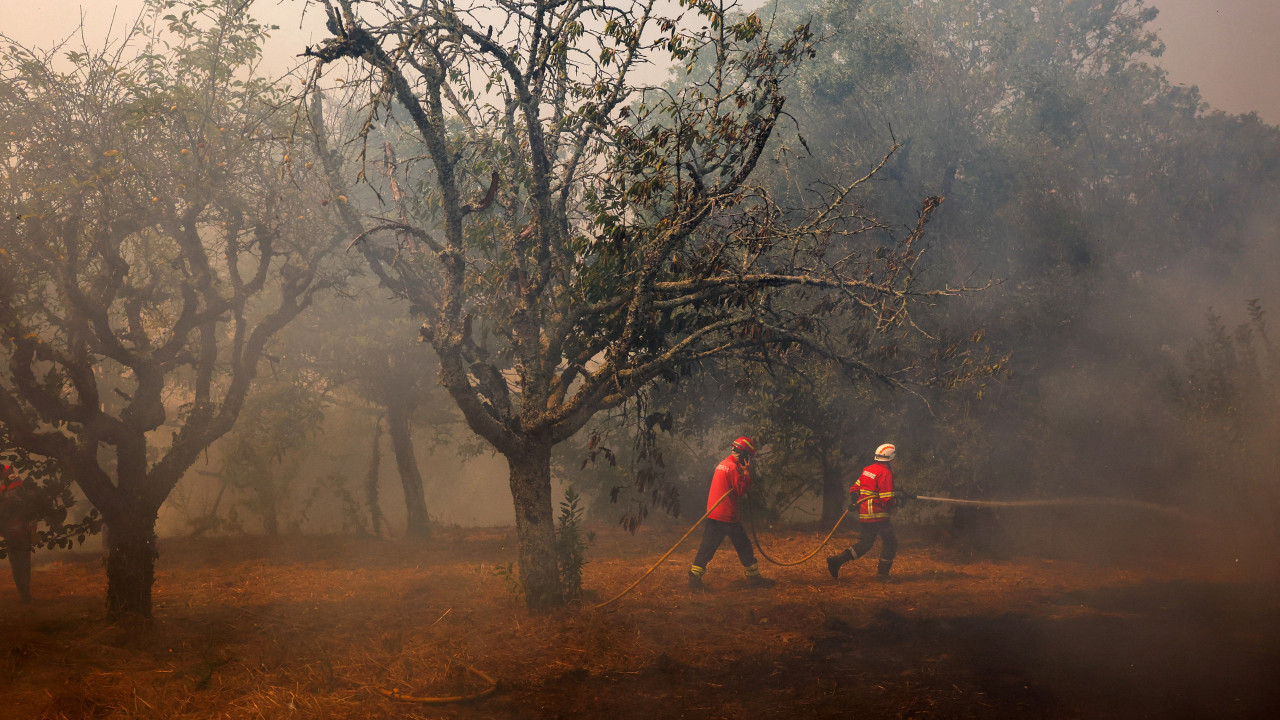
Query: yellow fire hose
{"type": "Point", "coordinates": [821, 545]}
{"type": "Point", "coordinates": [665, 555]}
{"type": "Point", "coordinates": [395, 694]}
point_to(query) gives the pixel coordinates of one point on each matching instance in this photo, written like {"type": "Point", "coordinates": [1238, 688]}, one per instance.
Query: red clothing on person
{"type": "Point", "coordinates": [730, 475]}
{"type": "Point", "coordinates": [874, 488]}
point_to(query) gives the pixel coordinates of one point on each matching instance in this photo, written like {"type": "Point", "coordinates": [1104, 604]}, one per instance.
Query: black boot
{"type": "Point", "coordinates": [760, 581]}
{"type": "Point", "coordinates": [882, 570]}
{"type": "Point", "coordinates": [695, 583]}
{"type": "Point", "coordinates": [835, 561]}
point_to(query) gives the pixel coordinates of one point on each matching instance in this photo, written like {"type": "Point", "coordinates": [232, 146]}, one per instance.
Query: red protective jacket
{"type": "Point", "coordinates": [730, 475]}
{"type": "Point", "coordinates": [874, 489]}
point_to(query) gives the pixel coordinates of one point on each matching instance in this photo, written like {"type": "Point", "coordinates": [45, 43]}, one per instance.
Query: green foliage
{"type": "Point", "coordinates": [162, 228]}
{"type": "Point", "coordinates": [1228, 395]}
{"type": "Point", "coordinates": [1231, 380]}
{"type": "Point", "coordinates": [574, 235]}
{"type": "Point", "coordinates": [1075, 173]}
{"type": "Point", "coordinates": [45, 498]}
{"type": "Point", "coordinates": [634, 476]}
{"type": "Point", "coordinates": [572, 544]}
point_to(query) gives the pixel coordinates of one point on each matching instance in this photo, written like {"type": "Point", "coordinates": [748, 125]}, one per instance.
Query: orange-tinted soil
{"type": "Point", "coordinates": [309, 627]}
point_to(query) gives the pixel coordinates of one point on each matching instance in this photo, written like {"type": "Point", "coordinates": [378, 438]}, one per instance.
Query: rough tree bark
{"type": "Point", "coordinates": [530, 480]}
{"type": "Point", "coordinates": [417, 521]}
{"type": "Point", "coordinates": [131, 562]}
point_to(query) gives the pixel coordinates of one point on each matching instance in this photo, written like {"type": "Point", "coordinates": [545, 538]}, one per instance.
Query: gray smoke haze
{"type": "Point", "coordinates": [1227, 48]}
{"type": "Point", "coordinates": [463, 490]}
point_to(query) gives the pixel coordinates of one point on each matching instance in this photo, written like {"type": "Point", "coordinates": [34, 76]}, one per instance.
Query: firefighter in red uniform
{"type": "Point", "coordinates": [733, 476]}
{"type": "Point", "coordinates": [17, 531]}
{"type": "Point", "coordinates": [875, 498]}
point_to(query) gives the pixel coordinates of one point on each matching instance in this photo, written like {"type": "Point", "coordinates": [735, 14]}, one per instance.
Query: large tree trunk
{"type": "Point", "coordinates": [131, 563]}
{"type": "Point", "coordinates": [834, 494]}
{"type": "Point", "coordinates": [535, 526]}
{"type": "Point", "coordinates": [417, 525]}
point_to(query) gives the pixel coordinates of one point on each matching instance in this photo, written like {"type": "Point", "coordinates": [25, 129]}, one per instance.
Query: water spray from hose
{"type": "Point", "coordinates": [1107, 501]}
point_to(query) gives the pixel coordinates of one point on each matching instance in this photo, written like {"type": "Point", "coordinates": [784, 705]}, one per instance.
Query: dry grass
{"type": "Point", "coordinates": [309, 627]}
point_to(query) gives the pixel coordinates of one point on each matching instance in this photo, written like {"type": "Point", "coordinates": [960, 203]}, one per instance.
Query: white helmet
{"type": "Point", "coordinates": [886, 452]}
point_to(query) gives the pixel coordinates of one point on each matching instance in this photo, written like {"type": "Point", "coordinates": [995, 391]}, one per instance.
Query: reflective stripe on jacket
{"type": "Point", "coordinates": [874, 489]}
{"type": "Point", "coordinates": [729, 476]}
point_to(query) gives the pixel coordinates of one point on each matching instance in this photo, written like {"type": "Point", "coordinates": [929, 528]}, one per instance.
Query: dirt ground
{"type": "Point", "coordinates": [1075, 623]}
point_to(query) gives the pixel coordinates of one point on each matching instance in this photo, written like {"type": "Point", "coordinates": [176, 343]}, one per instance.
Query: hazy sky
{"type": "Point", "coordinates": [1229, 48]}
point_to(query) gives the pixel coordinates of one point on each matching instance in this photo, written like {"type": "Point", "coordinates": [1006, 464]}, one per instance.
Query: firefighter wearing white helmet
{"type": "Point", "coordinates": [875, 498]}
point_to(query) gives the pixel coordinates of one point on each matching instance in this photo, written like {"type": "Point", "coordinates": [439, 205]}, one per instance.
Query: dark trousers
{"type": "Point", "coordinates": [715, 533]}
{"type": "Point", "coordinates": [888, 541]}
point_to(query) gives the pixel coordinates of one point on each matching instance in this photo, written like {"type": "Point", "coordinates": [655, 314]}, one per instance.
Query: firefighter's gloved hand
{"type": "Point", "coordinates": [905, 495]}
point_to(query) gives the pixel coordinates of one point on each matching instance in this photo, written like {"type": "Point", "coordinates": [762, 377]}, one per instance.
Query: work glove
{"type": "Point", "coordinates": [906, 495]}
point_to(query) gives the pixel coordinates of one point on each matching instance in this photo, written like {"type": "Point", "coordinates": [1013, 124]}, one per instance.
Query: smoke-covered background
{"type": "Point", "coordinates": [1097, 169]}
{"type": "Point", "coordinates": [361, 420]}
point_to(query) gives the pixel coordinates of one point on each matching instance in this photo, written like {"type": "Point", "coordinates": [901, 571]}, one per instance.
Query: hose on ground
{"type": "Point", "coordinates": [664, 555]}
{"type": "Point", "coordinates": [821, 545]}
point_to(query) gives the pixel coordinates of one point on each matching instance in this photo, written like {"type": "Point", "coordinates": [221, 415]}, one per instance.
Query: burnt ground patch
{"type": "Point", "coordinates": [308, 628]}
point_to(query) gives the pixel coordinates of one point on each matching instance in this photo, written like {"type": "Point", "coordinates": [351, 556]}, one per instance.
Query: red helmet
{"type": "Point", "coordinates": [744, 444]}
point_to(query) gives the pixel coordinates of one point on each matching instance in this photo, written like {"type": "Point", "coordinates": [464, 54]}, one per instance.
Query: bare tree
{"type": "Point", "coordinates": [155, 248]}
{"type": "Point", "coordinates": [582, 234]}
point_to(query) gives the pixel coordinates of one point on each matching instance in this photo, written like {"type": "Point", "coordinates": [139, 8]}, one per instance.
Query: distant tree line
{"type": "Point", "coordinates": [837, 223]}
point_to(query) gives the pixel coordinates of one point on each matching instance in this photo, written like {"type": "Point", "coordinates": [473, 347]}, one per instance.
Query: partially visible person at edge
{"type": "Point", "coordinates": [733, 476]}
{"type": "Point", "coordinates": [875, 500]}
{"type": "Point", "coordinates": [16, 530]}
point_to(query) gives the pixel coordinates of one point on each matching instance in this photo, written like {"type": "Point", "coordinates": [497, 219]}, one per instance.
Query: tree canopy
{"type": "Point", "coordinates": [158, 244]}
{"type": "Point", "coordinates": [578, 233]}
